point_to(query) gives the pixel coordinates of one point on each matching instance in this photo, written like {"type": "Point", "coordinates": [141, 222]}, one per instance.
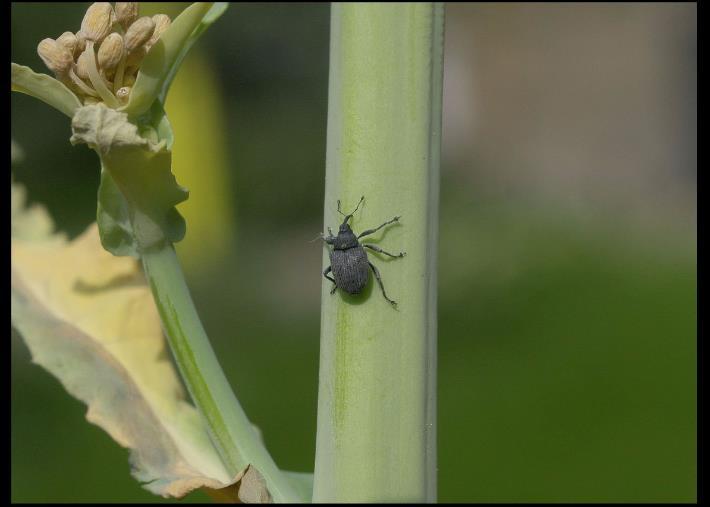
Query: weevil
{"type": "Point", "coordinates": [348, 259]}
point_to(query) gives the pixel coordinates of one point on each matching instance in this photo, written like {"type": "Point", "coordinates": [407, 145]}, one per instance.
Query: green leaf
{"type": "Point", "coordinates": [212, 15]}
{"type": "Point", "coordinates": [113, 219]}
{"type": "Point", "coordinates": [112, 212]}
{"type": "Point", "coordinates": [140, 172]}
{"type": "Point", "coordinates": [45, 88]}
{"type": "Point", "coordinates": [159, 121]}
{"type": "Point", "coordinates": [162, 61]}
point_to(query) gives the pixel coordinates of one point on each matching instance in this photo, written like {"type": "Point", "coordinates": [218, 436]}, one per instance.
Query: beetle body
{"type": "Point", "coordinates": [348, 259]}
{"type": "Point", "coordinates": [350, 269]}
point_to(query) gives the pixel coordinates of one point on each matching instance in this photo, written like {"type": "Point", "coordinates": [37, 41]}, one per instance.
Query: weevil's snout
{"type": "Point", "coordinates": [344, 226]}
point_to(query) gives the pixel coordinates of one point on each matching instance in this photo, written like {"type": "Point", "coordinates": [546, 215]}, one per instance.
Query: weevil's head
{"type": "Point", "coordinates": [345, 227]}
{"type": "Point", "coordinates": [346, 237]}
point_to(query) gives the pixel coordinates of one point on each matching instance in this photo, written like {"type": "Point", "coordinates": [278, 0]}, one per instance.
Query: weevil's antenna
{"type": "Point", "coordinates": [358, 205]}
{"type": "Point", "coordinates": [347, 217]}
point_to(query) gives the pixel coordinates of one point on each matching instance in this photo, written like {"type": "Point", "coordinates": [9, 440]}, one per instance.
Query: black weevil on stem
{"type": "Point", "coordinates": [348, 259]}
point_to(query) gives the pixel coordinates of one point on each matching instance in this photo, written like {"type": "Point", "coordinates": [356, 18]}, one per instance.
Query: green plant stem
{"type": "Point", "coordinates": [376, 437]}
{"type": "Point", "coordinates": [96, 79]}
{"type": "Point", "coordinates": [231, 432]}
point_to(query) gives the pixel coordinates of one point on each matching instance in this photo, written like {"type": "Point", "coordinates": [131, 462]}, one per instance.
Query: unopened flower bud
{"type": "Point", "coordinates": [138, 33]}
{"type": "Point", "coordinates": [80, 44]}
{"type": "Point", "coordinates": [55, 56]}
{"type": "Point", "coordinates": [110, 52]}
{"type": "Point", "coordinates": [162, 23]}
{"type": "Point", "coordinates": [83, 63]}
{"type": "Point", "coordinates": [69, 41]}
{"type": "Point", "coordinates": [126, 13]}
{"type": "Point", "coordinates": [135, 58]}
{"type": "Point", "coordinates": [98, 21]}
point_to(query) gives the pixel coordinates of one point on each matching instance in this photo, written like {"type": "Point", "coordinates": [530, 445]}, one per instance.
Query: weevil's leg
{"type": "Point", "coordinates": [327, 239]}
{"type": "Point", "coordinates": [376, 248]}
{"type": "Point", "coordinates": [325, 274]}
{"type": "Point", "coordinates": [370, 231]}
{"type": "Point", "coordinates": [320, 236]}
{"type": "Point", "coordinates": [379, 280]}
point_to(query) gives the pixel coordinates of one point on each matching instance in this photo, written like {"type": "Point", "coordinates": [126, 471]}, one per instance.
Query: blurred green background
{"type": "Point", "coordinates": [567, 266]}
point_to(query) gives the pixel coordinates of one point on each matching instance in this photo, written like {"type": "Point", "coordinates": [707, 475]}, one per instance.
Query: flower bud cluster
{"type": "Point", "coordinates": [101, 60]}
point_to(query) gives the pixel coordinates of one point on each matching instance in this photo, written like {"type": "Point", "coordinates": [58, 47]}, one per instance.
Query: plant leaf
{"type": "Point", "coordinates": [112, 212]}
{"type": "Point", "coordinates": [30, 224]}
{"type": "Point", "coordinates": [164, 58]}
{"type": "Point", "coordinates": [140, 170]}
{"type": "Point", "coordinates": [113, 219]}
{"type": "Point", "coordinates": [45, 88]}
{"type": "Point", "coordinates": [89, 318]}
{"type": "Point", "coordinates": [159, 121]}
{"type": "Point", "coordinates": [212, 15]}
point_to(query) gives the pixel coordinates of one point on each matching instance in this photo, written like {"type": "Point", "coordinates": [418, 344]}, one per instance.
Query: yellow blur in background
{"type": "Point", "coordinates": [195, 110]}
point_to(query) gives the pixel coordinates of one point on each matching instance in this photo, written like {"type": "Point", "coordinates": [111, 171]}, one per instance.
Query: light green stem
{"type": "Point", "coordinates": [76, 80]}
{"type": "Point", "coordinates": [376, 437]}
{"type": "Point", "coordinates": [96, 79]}
{"type": "Point", "coordinates": [118, 77]}
{"type": "Point", "coordinates": [230, 430]}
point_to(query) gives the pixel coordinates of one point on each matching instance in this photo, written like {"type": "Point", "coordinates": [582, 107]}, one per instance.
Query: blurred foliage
{"type": "Point", "coordinates": [567, 366]}
{"type": "Point", "coordinates": [199, 163]}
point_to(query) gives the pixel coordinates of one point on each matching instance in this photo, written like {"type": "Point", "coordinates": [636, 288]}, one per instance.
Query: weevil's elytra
{"type": "Point", "coordinates": [348, 259]}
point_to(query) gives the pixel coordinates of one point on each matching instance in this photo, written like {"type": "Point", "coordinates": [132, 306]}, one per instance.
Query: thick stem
{"type": "Point", "coordinates": [230, 430]}
{"type": "Point", "coordinates": [376, 437]}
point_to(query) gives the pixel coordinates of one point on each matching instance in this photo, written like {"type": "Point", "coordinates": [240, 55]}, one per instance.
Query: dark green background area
{"type": "Point", "coordinates": [567, 341]}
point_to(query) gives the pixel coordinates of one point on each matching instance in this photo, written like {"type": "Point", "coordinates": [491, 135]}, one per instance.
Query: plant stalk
{"type": "Point", "coordinates": [376, 436]}
{"type": "Point", "coordinates": [230, 430]}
